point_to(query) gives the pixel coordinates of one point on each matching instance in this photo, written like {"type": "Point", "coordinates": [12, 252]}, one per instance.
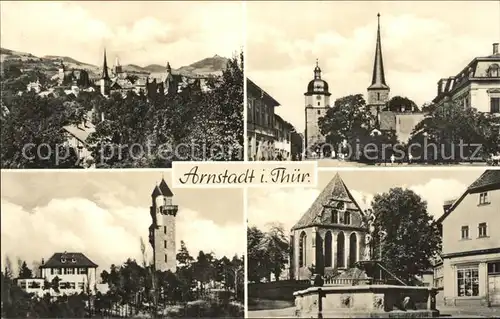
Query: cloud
{"type": "Point", "coordinates": [140, 33]}
{"type": "Point", "coordinates": [418, 47]}
{"type": "Point", "coordinates": [107, 234]}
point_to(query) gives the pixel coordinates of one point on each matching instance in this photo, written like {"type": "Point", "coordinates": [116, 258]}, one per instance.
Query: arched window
{"type": "Point", "coordinates": [340, 260]}
{"type": "Point", "coordinates": [353, 249]}
{"type": "Point", "coordinates": [347, 218]}
{"type": "Point", "coordinates": [328, 249]}
{"type": "Point", "coordinates": [302, 249]}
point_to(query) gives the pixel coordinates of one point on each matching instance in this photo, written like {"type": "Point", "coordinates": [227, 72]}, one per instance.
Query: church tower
{"type": "Point", "coordinates": [162, 229]}
{"type": "Point", "coordinates": [62, 70]}
{"type": "Point", "coordinates": [117, 67]}
{"type": "Point", "coordinates": [378, 91]}
{"type": "Point", "coordinates": [317, 102]}
{"type": "Point", "coordinates": [105, 80]}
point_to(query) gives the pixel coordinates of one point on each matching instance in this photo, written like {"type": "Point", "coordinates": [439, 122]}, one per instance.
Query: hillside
{"type": "Point", "coordinates": [50, 64]}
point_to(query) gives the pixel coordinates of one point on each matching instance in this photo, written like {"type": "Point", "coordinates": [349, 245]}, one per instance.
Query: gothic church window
{"type": "Point", "coordinates": [347, 218]}
{"type": "Point", "coordinates": [302, 249]}
{"type": "Point", "coordinates": [340, 250]}
{"type": "Point", "coordinates": [335, 216]}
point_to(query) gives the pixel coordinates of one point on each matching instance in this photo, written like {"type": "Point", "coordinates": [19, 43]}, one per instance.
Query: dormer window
{"type": "Point", "coordinates": [493, 70]}
{"type": "Point", "coordinates": [63, 260]}
{"type": "Point", "coordinates": [73, 260]}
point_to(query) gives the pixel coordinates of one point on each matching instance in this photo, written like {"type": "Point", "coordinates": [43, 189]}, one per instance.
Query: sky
{"type": "Point", "coordinates": [139, 32]}
{"type": "Point", "coordinates": [105, 214]}
{"type": "Point", "coordinates": [422, 41]}
{"type": "Point", "coordinates": [286, 206]}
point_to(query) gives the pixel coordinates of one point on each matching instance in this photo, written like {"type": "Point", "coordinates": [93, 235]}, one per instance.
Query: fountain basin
{"type": "Point", "coordinates": [366, 301]}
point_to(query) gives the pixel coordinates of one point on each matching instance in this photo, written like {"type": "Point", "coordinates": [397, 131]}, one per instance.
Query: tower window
{"type": "Point", "coordinates": [164, 244]}
{"type": "Point", "coordinates": [319, 103]}
{"type": "Point", "coordinates": [165, 257]}
{"type": "Point", "coordinates": [165, 229]}
{"type": "Point", "coordinates": [378, 96]}
{"type": "Point", "coordinates": [319, 112]}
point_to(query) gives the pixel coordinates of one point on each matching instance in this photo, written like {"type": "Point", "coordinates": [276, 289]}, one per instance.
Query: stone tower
{"type": "Point", "coordinates": [105, 80]}
{"type": "Point", "coordinates": [378, 91]}
{"type": "Point", "coordinates": [317, 102]}
{"type": "Point", "coordinates": [162, 229]}
{"type": "Point", "coordinates": [61, 74]}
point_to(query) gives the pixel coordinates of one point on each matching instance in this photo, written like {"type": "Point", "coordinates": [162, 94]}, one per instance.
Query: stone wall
{"type": "Point", "coordinates": [276, 290]}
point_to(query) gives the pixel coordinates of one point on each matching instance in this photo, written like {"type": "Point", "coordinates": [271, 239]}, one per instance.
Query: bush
{"type": "Point", "coordinates": [203, 308]}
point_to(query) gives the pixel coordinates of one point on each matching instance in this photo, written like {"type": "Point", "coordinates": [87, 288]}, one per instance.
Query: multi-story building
{"type": "Point", "coordinates": [162, 229]}
{"type": "Point", "coordinates": [477, 85]}
{"type": "Point", "coordinates": [330, 235]}
{"type": "Point", "coordinates": [261, 131]}
{"type": "Point", "coordinates": [75, 274]}
{"type": "Point", "coordinates": [471, 247]}
{"type": "Point", "coordinates": [283, 144]}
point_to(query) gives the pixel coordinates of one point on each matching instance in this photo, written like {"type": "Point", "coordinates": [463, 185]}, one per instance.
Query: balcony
{"type": "Point", "coordinates": [169, 210]}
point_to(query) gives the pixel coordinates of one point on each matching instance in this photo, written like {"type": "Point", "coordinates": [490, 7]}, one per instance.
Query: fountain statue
{"type": "Point", "coordinates": [367, 298]}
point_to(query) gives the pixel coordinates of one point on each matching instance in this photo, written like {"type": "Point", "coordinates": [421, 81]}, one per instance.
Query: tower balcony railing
{"type": "Point", "coordinates": [169, 209]}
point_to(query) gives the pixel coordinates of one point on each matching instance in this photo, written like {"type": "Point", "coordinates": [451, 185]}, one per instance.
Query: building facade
{"type": "Point", "coordinates": [330, 236]}
{"type": "Point", "coordinates": [477, 85]}
{"type": "Point", "coordinates": [75, 274]}
{"type": "Point", "coordinates": [317, 103]}
{"type": "Point", "coordinates": [283, 144]}
{"type": "Point", "coordinates": [471, 246]}
{"type": "Point", "coordinates": [162, 229]}
{"type": "Point", "coordinates": [261, 130]}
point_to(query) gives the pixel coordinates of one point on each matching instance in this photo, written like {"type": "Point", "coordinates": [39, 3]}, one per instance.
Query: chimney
{"type": "Point", "coordinates": [43, 261]}
{"type": "Point", "coordinates": [495, 48]}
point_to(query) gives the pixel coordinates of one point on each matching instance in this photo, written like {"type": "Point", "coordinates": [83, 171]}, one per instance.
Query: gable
{"type": "Point", "coordinates": [334, 194]}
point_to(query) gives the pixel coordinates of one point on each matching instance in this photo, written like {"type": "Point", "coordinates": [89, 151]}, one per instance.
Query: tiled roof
{"type": "Point", "coordinates": [488, 178]}
{"type": "Point", "coordinates": [336, 191]}
{"type": "Point", "coordinates": [59, 260]}
{"type": "Point", "coordinates": [80, 132]}
{"type": "Point", "coordinates": [165, 190]}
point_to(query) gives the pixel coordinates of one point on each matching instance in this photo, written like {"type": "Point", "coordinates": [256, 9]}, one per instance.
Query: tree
{"type": "Point", "coordinates": [24, 271]}
{"type": "Point", "coordinates": [32, 133]}
{"type": "Point", "coordinates": [412, 234]}
{"type": "Point", "coordinates": [255, 255]}
{"type": "Point", "coordinates": [348, 114]}
{"type": "Point", "coordinates": [276, 248]}
{"type": "Point", "coordinates": [401, 104]}
{"type": "Point", "coordinates": [455, 132]}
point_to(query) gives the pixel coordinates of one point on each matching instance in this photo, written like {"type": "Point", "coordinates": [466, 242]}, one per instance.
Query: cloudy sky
{"type": "Point", "coordinates": [104, 215]}
{"type": "Point", "coordinates": [286, 206]}
{"type": "Point", "coordinates": [422, 41]}
{"type": "Point", "coordinates": [140, 32]}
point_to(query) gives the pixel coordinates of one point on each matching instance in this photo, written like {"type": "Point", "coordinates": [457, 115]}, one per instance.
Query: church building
{"type": "Point", "coordinates": [330, 236]}
{"type": "Point", "coordinates": [162, 229]}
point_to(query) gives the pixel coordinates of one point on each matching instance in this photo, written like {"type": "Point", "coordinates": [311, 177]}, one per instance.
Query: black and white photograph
{"type": "Point", "coordinates": [119, 244]}
{"type": "Point", "coordinates": [377, 244]}
{"type": "Point", "coordinates": [356, 83]}
{"type": "Point", "coordinates": [120, 84]}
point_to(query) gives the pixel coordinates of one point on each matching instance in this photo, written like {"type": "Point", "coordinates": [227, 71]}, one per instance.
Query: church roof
{"type": "Point", "coordinates": [335, 191]}
{"type": "Point", "coordinates": [378, 76]}
{"type": "Point", "coordinates": [165, 190]}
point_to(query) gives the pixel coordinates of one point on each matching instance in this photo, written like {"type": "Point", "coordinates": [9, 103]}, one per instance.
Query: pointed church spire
{"type": "Point", "coordinates": [105, 74]}
{"type": "Point", "coordinates": [378, 78]}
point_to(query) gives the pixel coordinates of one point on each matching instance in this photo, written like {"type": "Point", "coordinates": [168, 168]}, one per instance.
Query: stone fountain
{"type": "Point", "coordinates": [373, 292]}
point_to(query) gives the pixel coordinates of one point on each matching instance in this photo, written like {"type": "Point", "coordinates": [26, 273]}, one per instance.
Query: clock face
{"type": "Point", "coordinates": [318, 97]}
